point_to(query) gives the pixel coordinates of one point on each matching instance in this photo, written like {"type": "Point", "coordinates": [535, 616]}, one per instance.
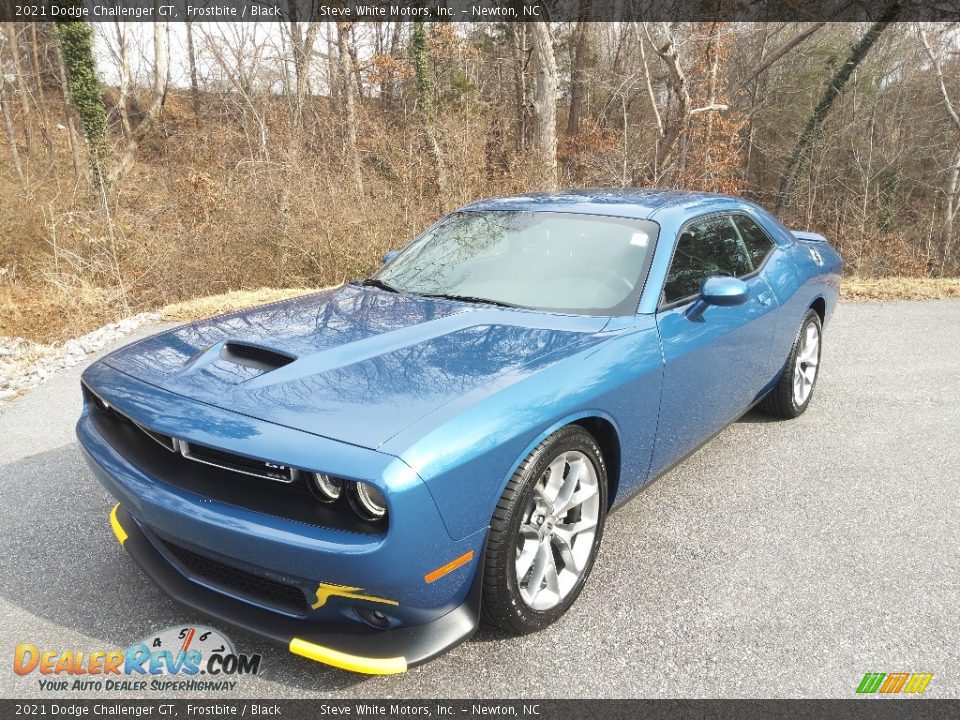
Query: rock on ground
{"type": "Point", "coordinates": [25, 364]}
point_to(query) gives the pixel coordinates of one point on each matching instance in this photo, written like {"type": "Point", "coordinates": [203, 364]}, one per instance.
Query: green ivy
{"type": "Point", "coordinates": [421, 66]}
{"type": "Point", "coordinates": [76, 44]}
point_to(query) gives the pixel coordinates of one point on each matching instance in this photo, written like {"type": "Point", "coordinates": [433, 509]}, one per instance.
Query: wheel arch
{"type": "Point", "coordinates": [603, 429]}
{"type": "Point", "coordinates": [607, 437]}
{"type": "Point", "coordinates": [819, 306]}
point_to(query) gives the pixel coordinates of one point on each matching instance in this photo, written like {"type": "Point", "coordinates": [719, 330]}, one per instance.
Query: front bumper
{"type": "Point", "coordinates": [363, 650]}
{"type": "Point", "coordinates": [332, 578]}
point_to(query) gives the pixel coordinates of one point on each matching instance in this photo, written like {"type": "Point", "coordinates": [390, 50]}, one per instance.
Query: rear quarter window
{"type": "Point", "coordinates": [758, 243]}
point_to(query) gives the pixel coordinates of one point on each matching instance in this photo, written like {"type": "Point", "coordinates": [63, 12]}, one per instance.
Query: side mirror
{"type": "Point", "coordinates": [720, 291]}
{"type": "Point", "coordinates": [390, 256]}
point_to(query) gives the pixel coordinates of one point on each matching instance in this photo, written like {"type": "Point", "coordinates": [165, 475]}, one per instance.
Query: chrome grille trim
{"type": "Point", "coordinates": [184, 447]}
{"type": "Point", "coordinates": [157, 437]}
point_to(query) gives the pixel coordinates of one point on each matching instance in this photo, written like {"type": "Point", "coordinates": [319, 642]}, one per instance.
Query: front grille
{"type": "Point", "coordinates": [220, 475]}
{"type": "Point", "coordinates": [254, 356]}
{"type": "Point", "coordinates": [241, 582]}
{"type": "Point", "coordinates": [237, 463]}
{"type": "Point", "coordinates": [165, 440]}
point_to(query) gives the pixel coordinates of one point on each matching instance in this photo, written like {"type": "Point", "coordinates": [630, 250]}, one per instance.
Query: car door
{"type": "Point", "coordinates": [716, 363]}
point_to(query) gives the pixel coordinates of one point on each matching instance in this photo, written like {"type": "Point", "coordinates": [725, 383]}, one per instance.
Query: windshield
{"type": "Point", "coordinates": [586, 264]}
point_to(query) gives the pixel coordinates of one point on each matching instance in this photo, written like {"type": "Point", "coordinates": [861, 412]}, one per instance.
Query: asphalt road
{"type": "Point", "coordinates": [784, 559]}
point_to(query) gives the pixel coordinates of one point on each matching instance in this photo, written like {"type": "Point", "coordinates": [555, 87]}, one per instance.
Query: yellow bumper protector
{"type": "Point", "coordinates": [345, 661]}
{"type": "Point", "coordinates": [117, 527]}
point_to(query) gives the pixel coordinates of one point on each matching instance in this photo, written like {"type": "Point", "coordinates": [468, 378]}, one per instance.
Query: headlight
{"type": "Point", "coordinates": [368, 501]}
{"type": "Point", "coordinates": [326, 488]}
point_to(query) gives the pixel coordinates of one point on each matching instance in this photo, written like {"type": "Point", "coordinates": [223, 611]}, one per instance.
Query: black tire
{"type": "Point", "coordinates": [780, 401]}
{"type": "Point", "coordinates": [503, 604]}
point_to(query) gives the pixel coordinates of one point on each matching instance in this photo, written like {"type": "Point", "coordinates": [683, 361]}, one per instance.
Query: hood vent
{"type": "Point", "coordinates": [254, 356]}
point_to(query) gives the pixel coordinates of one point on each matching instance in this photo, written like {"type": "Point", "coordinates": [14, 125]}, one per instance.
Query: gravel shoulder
{"type": "Point", "coordinates": [784, 559]}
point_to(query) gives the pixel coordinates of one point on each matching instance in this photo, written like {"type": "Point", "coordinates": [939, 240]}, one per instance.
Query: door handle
{"type": "Point", "coordinates": [765, 298]}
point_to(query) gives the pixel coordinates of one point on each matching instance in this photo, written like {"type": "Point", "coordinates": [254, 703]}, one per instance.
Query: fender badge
{"type": "Point", "coordinates": [325, 591]}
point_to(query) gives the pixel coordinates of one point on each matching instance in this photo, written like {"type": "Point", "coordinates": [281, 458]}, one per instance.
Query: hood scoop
{"type": "Point", "coordinates": [254, 356]}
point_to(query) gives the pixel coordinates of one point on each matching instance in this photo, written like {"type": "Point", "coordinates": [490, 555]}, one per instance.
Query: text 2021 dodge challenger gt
{"type": "Point", "coordinates": [359, 473]}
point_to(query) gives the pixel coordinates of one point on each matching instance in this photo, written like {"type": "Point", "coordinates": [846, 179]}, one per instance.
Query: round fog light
{"type": "Point", "coordinates": [369, 501]}
{"type": "Point", "coordinates": [374, 618]}
{"type": "Point", "coordinates": [327, 488]}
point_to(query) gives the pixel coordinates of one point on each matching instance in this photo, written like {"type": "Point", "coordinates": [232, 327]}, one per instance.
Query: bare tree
{"type": "Point", "coordinates": [673, 128]}
{"type": "Point", "coordinates": [302, 43]}
{"type": "Point", "coordinates": [350, 120]}
{"type": "Point", "coordinates": [13, 40]}
{"type": "Point", "coordinates": [859, 51]}
{"type": "Point", "coordinates": [579, 70]}
{"type": "Point", "coordinates": [8, 128]}
{"type": "Point", "coordinates": [124, 90]}
{"type": "Point", "coordinates": [160, 78]}
{"type": "Point", "coordinates": [521, 55]}
{"type": "Point", "coordinates": [767, 61]}
{"type": "Point", "coordinates": [42, 107]}
{"type": "Point", "coordinates": [545, 101]}
{"type": "Point", "coordinates": [950, 186]}
{"type": "Point", "coordinates": [192, 64]}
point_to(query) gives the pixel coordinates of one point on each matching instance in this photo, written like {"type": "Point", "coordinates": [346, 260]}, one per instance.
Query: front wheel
{"type": "Point", "coordinates": [794, 390]}
{"type": "Point", "coordinates": [545, 532]}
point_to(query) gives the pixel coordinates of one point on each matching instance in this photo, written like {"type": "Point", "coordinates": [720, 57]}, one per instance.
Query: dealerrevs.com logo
{"type": "Point", "coordinates": [894, 683]}
{"type": "Point", "coordinates": [189, 657]}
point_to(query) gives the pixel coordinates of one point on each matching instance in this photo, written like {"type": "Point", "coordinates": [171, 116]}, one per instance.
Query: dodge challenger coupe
{"type": "Point", "coordinates": [362, 473]}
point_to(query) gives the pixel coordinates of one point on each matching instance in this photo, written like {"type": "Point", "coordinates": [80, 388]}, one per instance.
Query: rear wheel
{"type": "Point", "coordinates": [545, 532]}
{"type": "Point", "coordinates": [794, 390]}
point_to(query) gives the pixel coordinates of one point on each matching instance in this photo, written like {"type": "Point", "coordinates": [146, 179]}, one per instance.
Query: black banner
{"type": "Point", "coordinates": [477, 10]}
{"type": "Point", "coordinates": [856, 709]}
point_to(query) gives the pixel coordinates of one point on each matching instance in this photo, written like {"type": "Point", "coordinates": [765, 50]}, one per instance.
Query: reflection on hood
{"type": "Point", "coordinates": [366, 363]}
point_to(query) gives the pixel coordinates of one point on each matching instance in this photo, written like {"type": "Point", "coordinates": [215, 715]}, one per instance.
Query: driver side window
{"type": "Point", "coordinates": [711, 246]}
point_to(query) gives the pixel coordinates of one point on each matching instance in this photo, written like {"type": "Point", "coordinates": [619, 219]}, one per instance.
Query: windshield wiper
{"type": "Point", "coordinates": [469, 299]}
{"type": "Point", "coordinates": [373, 282]}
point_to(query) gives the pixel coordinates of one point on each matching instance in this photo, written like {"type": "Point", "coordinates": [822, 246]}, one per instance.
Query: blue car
{"type": "Point", "coordinates": [363, 473]}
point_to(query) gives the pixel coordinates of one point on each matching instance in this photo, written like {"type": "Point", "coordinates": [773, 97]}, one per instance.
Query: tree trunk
{"type": "Point", "coordinates": [160, 78]}
{"type": "Point", "coordinates": [421, 68]}
{"type": "Point", "coordinates": [664, 154]}
{"type": "Point", "coordinates": [545, 102]}
{"type": "Point", "coordinates": [14, 40]}
{"type": "Point", "coordinates": [124, 80]}
{"type": "Point", "coordinates": [38, 81]}
{"type": "Point", "coordinates": [8, 128]}
{"type": "Point", "coordinates": [72, 138]}
{"type": "Point", "coordinates": [388, 80]}
{"type": "Point", "coordinates": [950, 186]}
{"type": "Point", "coordinates": [192, 62]}
{"type": "Point", "coordinates": [798, 157]}
{"type": "Point", "coordinates": [950, 209]}
{"type": "Point", "coordinates": [579, 79]}
{"type": "Point", "coordinates": [519, 49]}
{"type": "Point", "coordinates": [765, 62]}
{"type": "Point", "coordinates": [302, 52]}
{"type": "Point", "coordinates": [350, 121]}
{"type": "Point", "coordinates": [433, 149]}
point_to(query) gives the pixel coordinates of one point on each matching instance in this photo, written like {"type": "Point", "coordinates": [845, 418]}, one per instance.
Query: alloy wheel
{"type": "Point", "coordinates": [556, 537]}
{"type": "Point", "coordinates": [805, 368]}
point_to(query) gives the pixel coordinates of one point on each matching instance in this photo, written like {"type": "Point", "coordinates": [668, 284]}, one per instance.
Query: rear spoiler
{"type": "Point", "coordinates": [807, 236]}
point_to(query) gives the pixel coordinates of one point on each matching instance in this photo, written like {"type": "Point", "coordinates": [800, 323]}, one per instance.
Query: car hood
{"type": "Point", "coordinates": [355, 364]}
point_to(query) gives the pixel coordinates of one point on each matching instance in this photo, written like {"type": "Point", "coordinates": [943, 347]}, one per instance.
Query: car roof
{"type": "Point", "coordinates": [639, 203]}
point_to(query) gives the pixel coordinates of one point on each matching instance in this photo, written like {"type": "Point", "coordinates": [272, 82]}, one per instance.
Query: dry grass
{"type": "Point", "coordinates": [204, 213]}
{"type": "Point", "coordinates": [227, 302]}
{"type": "Point", "coordinates": [857, 289]}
